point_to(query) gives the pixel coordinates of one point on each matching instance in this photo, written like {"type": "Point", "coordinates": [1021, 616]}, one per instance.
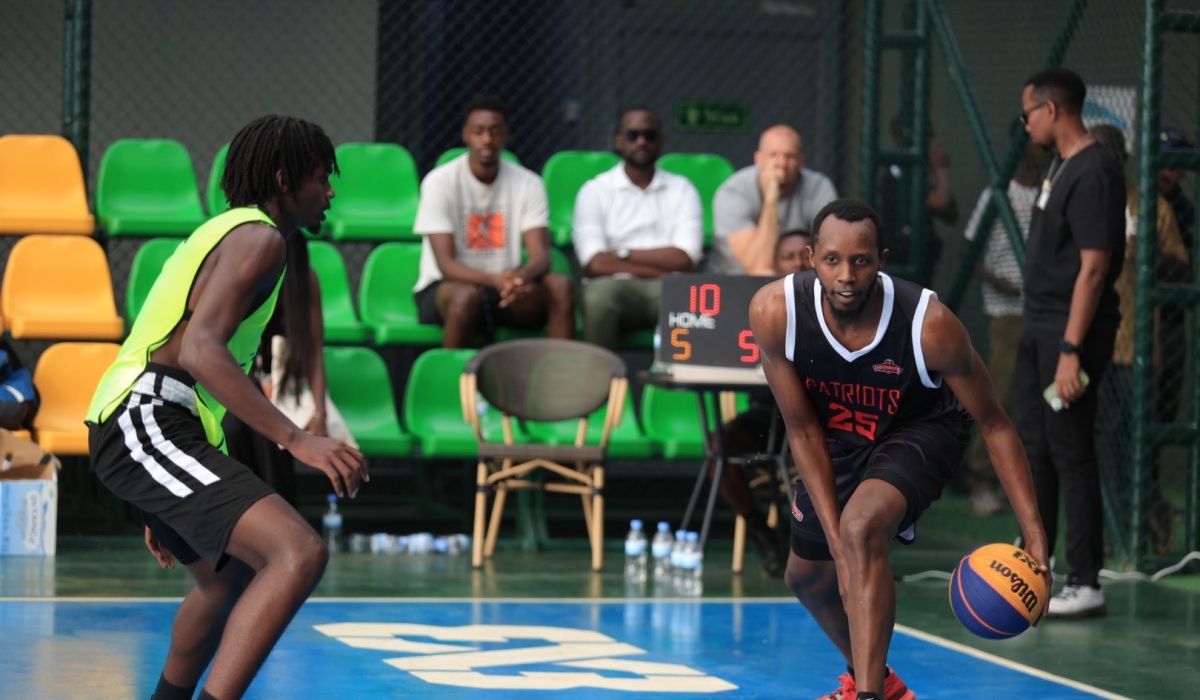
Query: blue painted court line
{"type": "Point", "coordinates": [484, 649]}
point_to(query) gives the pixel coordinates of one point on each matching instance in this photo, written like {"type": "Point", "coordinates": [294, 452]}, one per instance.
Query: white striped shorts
{"type": "Point", "coordinates": [152, 453]}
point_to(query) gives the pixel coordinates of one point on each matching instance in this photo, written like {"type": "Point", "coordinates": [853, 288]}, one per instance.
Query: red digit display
{"type": "Point", "coordinates": [746, 342]}
{"type": "Point", "coordinates": [713, 298]}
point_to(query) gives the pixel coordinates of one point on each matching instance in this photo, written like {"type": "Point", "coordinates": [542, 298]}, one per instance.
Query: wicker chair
{"type": "Point", "coordinates": [542, 380]}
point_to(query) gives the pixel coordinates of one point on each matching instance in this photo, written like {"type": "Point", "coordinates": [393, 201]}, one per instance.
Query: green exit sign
{"type": "Point", "coordinates": [709, 115]}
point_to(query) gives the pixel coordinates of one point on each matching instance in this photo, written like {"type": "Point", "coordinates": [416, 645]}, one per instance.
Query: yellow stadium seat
{"type": "Point", "coordinates": [59, 288]}
{"type": "Point", "coordinates": [41, 187]}
{"type": "Point", "coordinates": [66, 376]}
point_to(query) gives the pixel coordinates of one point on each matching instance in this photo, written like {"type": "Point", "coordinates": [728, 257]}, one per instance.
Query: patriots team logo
{"type": "Point", "coordinates": [888, 367]}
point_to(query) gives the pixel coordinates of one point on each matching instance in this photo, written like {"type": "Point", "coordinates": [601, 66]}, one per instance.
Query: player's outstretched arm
{"type": "Point", "coordinates": [248, 256]}
{"type": "Point", "coordinates": [806, 435]}
{"type": "Point", "coordinates": [948, 351]}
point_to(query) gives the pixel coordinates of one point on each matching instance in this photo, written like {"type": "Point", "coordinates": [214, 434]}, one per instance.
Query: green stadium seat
{"type": "Point", "coordinates": [433, 409]}
{"type": "Point", "coordinates": [564, 173]}
{"type": "Point", "coordinates": [216, 196]}
{"type": "Point", "coordinates": [385, 296]}
{"type": "Point", "coordinates": [337, 304]}
{"type": "Point", "coordinates": [672, 419]}
{"type": "Point", "coordinates": [456, 152]}
{"type": "Point", "coordinates": [147, 264]}
{"type": "Point", "coordinates": [627, 441]}
{"type": "Point", "coordinates": [360, 388]}
{"type": "Point", "coordinates": [147, 187]}
{"type": "Point", "coordinates": [707, 172]}
{"type": "Point", "coordinates": [376, 194]}
{"type": "Point", "coordinates": [638, 340]}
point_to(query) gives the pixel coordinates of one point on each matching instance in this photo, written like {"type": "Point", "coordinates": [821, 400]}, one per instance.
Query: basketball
{"type": "Point", "coordinates": [997, 591]}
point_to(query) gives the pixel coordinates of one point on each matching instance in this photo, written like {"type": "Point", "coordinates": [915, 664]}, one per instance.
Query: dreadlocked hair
{"type": "Point", "coordinates": [295, 305]}
{"type": "Point", "coordinates": [270, 144]}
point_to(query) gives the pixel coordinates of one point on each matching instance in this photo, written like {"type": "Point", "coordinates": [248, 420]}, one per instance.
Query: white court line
{"type": "Point", "coordinates": [923, 636]}
{"type": "Point", "coordinates": [1012, 665]}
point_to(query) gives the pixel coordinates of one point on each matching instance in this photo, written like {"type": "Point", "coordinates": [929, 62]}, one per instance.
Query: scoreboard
{"type": "Point", "coordinates": [704, 321]}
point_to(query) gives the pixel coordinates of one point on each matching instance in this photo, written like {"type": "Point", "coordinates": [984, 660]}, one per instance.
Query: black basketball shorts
{"type": "Point", "coordinates": [152, 453]}
{"type": "Point", "coordinates": [919, 459]}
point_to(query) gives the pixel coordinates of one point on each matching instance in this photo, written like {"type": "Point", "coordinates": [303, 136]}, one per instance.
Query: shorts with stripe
{"type": "Point", "coordinates": [152, 453]}
{"type": "Point", "coordinates": [919, 459]}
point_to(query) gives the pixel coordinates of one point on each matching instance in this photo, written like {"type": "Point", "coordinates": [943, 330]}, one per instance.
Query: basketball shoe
{"type": "Point", "coordinates": [1075, 601]}
{"type": "Point", "coordinates": [893, 689]}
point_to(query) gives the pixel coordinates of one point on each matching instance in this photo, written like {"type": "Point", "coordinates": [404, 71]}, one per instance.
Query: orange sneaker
{"type": "Point", "coordinates": [893, 689]}
{"type": "Point", "coordinates": [847, 690]}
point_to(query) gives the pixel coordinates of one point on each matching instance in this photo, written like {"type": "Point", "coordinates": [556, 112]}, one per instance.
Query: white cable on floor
{"type": "Point", "coordinates": [1104, 573]}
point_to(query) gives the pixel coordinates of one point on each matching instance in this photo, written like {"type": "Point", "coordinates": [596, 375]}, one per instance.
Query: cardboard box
{"type": "Point", "coordinates": [28, 498]}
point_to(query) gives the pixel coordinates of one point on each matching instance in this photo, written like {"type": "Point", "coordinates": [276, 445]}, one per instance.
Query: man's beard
{"type": "Point", "coordinates": [852, 315]}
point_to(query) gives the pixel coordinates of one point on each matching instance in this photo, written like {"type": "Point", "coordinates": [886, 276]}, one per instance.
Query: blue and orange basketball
{"type": "Point", "coordinates": [997, 591]}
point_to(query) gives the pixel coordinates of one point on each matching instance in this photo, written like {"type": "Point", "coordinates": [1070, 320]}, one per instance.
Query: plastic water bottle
{"type": "Point", "coordinates": [331, 526]}
{"type": "Point", "coordinates": [660, 550]}
{"type": "Point", "coordinates": [694, 568]}
{"type": "Point", "coordinates": [451, 544]}
{"type": "Point", "coordinates": [383, 543]}
{"type": "Point", "coordinates": [635, 553]}
{"type": "Point", "coordinates": [420, 543]}
{"type": "Point", "coordinates": [677, 558]}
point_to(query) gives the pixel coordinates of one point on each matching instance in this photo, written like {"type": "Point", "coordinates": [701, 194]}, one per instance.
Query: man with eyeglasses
{"type": "Point", "coordinates": [754, 205]}
{"type": "Point", "coordinates": [633, 224]}
{"type": "Point", "coordinates": [1073, 257]}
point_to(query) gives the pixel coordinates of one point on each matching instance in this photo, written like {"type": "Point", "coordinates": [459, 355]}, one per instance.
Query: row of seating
{"type": "Point", "coordinates": [147, 188]}
{"type": "Point", "coordinates": [60, 288]}
{"type": "Point", "coordinates": [433, 423]}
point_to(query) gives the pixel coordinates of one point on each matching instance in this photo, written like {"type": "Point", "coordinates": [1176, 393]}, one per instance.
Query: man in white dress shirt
{"type": "Point", "coordinates": [633, 224]}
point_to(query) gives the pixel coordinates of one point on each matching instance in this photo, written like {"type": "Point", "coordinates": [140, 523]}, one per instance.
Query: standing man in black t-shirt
{"type": "Point", "coordinates": [1074, 255]}
{"type": "Point", "coordinates": [877, 383]}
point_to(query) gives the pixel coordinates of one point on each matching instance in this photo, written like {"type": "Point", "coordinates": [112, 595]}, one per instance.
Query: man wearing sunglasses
{"type": "Point", "coordinates": [633, 224]}
{"type": "Point", "coordinates": [1074, 255]}
{"type": "Point", "coordinates": [775, 194]}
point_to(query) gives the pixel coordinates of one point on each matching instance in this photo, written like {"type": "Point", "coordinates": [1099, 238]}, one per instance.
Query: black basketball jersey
{"type": "Point", "coordinates": [863, 395]}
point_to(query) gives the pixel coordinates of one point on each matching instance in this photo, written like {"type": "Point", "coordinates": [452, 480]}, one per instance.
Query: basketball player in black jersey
{"type": "Point", "coordinates": [877, 383]}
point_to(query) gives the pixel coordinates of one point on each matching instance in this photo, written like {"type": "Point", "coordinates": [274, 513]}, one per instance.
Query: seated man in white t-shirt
{"type": "Point", "coordinates": [633, 224]}
{"type": "Point", "coordinates": [475, 213]}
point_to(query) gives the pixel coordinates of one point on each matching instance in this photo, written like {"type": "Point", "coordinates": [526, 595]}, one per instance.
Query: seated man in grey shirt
{"type": "Point", "coordinates": [775, 194]}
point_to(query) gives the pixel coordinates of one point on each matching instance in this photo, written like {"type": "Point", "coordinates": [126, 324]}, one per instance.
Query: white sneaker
{"type": "Point", "coordinates": [1077, 601]}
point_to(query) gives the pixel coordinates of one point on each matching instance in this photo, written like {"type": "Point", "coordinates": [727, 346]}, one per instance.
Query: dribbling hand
{"type": "Point", "coordinates": [161, 553]}
{"type": "Point", "coordinates": [343, 464]}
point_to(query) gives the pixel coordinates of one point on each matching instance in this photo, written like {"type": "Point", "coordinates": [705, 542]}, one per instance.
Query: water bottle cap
{"type": "Point", "coordinates": [332, 498]}
{"type": "Point", "coordinates": [693, 537]}
{"type": "Point", "coordinates": [681, 534]}
{"type": "Point", "coordinates": [635, 524]}
{"type": "Point", "coordinates": [664, 526]}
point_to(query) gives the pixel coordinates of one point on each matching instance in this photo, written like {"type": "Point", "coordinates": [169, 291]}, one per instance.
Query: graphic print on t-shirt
{"type": "Point", "coordinates": [485, 231]}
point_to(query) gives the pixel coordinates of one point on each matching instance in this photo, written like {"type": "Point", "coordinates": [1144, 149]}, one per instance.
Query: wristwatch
{"type": "Point", "coordinates": [1065, 347]}
{"type": "Point", "coordinates": [623, 253]}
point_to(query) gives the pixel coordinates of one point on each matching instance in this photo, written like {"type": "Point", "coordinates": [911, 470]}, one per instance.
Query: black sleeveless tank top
{"type": "Point", "coordinates": [862, 396]}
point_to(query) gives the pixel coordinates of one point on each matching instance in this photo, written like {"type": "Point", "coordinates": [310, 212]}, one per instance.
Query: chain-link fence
{"type": "Point", "coordinates": [717, 72]}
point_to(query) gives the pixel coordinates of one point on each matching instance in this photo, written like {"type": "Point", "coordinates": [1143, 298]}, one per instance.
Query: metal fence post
{"type": "Point", "coordinates": [77, 75]}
